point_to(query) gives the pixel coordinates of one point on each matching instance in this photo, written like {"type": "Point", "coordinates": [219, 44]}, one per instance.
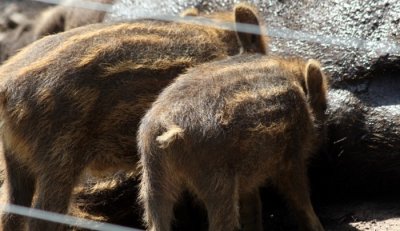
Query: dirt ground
{"type": "Point", "coordinates": [363, 215]}
{"type": "Point", "coordinates": [355, 213]}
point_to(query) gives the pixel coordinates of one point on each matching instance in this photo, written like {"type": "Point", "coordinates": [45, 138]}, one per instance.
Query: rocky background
{"type": "Point", "coordinates": [358, 43]}
{"type": "Point", "coordinates": [355, 177]}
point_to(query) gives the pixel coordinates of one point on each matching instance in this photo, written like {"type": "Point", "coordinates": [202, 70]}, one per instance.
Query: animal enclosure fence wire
{"type": "Point", "coordinates": [62, 219]}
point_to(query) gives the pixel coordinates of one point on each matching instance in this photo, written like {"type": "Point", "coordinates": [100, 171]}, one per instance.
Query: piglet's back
{"type": "Point", "coordinates": [74, 76]}
{"type": "Point", "coordinates": [234, 93]}
{"type": "Point", "coordinates": [140, 41]}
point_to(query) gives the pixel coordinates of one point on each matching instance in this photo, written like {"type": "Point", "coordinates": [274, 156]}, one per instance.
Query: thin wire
{"type": "Point", "coordinates": [62, 219]}
{"type": "Point", "coordinates": [379, 47]}
{"type": "Point", "coordinates": [80, 4]}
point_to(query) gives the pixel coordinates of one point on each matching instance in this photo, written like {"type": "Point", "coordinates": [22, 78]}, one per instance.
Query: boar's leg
{"type": "Point", "coordinates": [159, 192]}
{"type": "Point", "coordinates": [250, 211]}
{"type": "Point", "coordinates": [220, 195]}
{"type": "Point", "coordinates": [293, 184]}
{"type": "Point", "coordinates": [54, 191]}
{"type": "Point", "coordinates": [20, 187]}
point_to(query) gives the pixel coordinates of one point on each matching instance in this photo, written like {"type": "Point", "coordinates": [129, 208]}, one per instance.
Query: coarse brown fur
{"type": "Point", "coordinates": [73, 101]}
{"type": "Point", "coordinates": [225, 128]}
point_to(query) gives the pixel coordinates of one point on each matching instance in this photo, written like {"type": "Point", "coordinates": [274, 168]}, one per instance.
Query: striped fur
{"type": "Point", "coordinates": [74, 100]}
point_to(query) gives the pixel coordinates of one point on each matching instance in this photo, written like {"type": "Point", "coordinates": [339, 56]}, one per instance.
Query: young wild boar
{"type": "Point", "coordinates": [21, 31]}
{"type": "Point", "coordinates": [74, 100]}
{"type": "Point", "coordinates": [62, 18]}
{"type": "Point", "coordinates": [226, 127]}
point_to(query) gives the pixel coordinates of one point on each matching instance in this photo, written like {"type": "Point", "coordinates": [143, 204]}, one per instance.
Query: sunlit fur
{"type": "Point", "coordinates": [74, 100]}
{"type": "Point", "coordinates": [225, 128]}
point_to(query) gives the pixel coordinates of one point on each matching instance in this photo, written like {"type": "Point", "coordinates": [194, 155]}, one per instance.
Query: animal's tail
{"type": "Point", "coordinates": [173, 133]}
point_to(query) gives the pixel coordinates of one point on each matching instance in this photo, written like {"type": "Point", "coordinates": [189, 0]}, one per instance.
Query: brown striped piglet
{"type": "Point", "coordinates": [225, 128]}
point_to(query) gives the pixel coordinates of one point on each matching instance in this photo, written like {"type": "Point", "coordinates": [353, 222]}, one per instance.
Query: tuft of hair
{"type": "Point", "coordinates": [173, 133]}
{"type": "Point", "coordinates": [316, 83]}
{"type": "Point", "coordinates": [251, 42]}
{"type": "Point", "coordinates": [190, 12]}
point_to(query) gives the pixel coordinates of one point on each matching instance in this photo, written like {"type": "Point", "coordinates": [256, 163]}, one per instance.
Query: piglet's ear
{"type": "Point", "coordinates": [253, 40]}
{"type": "Point", "coordinates": [316, 83]}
